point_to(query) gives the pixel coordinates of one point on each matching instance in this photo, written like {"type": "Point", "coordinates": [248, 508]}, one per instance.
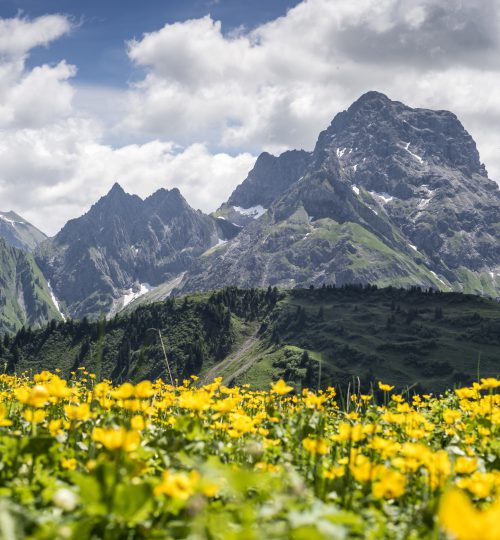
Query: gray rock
{"type": "Point", "coordinates": [390, 195]}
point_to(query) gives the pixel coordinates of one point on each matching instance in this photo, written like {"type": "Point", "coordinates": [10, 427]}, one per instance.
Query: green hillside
{"type": "Point", "coordinates": [24, 294]}
{"type": "Point", "coordinates": [314, 337]}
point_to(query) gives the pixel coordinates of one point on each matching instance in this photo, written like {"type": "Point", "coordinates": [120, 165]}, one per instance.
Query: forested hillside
{"type": "Point", "coordinates": [310, 337]}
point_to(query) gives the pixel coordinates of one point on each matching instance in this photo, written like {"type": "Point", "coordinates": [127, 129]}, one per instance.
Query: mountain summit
{"type": "Point", "coordinates": [17, 232]}
{"type": "Point", "coordinates": [390, 195]}
{"type": "Point", "coordinates": [124, 246]}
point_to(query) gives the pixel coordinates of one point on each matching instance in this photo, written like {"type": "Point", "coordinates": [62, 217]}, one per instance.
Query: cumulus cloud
{"type": "Point", "coordinates": [54, 174]}
{"type": "Point", "coordinates": [276, 86]}
{"type": "Point", "coordinates": [54, 161]}
{"type": "Point", "coordinates": [18, 36]}
{"type": "Point", "coordinates": [208, 101]}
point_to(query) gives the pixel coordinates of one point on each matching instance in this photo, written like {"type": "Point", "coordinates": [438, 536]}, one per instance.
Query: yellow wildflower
{"type": "Point", "coordinates": [117, 438]}
{"type": "Point", "coordinates": [315, 446]}
{"type": "Point", "coordinates": [125, 391]}
{"type": "Point", "coordinates": [177, 485]}
{"type": "Point", "coordinates": [137, 422]}
{"type": "Point", "coordinates": [35, 417]}
{"type": "Point", "coordinates": [78, 412]}
{"type": "Point", "coordinates": [391, 485]}
{"type": "Point", "coordinates": [38, 396]}
{"type": "Point", "coordinates": [68, 463]}
{"type": "Point", "coordinates": [462, 521]}
{"type": "Point", "coordinates": [281, 388]}
{"type": "Point", "coordinates": [490, 383]}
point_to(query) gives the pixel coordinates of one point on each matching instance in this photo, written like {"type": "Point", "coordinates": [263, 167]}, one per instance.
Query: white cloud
{"type": "Point", "coordinates": [54, 162]}
{"type": "Point", "coordinates": [18, 36]}
{"type": "Point", "coordinates": [38, 97]}
{"type": "Point", "coordinates": [276, 86]}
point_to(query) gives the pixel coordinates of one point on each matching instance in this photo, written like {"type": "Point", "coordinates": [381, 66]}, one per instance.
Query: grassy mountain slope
{"type": "Point", "coordinates": [309, 337]}
{"type": "Point", "coordinates": [24, 294]}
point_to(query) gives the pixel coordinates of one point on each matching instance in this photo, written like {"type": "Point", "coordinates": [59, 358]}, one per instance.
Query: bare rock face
{"type": "Point", "coordinates": [270, 177]}
{"type": "Point", "coordinates": [390, 195]}
{"type": "Point", "coordinates": [124, 246]}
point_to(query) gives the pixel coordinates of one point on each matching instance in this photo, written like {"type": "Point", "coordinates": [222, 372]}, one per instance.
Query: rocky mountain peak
{"type": "Point", "coordinates": [394, 138]}
{"type": "Point", "coordinates": [17, 232]}
{"type": "Point", "coordinates": [269, 178]}
{"type": "Point", "coordinates": [390, 195]}
{"type": "Point", "coordinates": [116, 189]}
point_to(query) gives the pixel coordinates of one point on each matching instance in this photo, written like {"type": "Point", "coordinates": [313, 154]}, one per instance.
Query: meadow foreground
{"type": "Point", "coordinates": [86, 460]}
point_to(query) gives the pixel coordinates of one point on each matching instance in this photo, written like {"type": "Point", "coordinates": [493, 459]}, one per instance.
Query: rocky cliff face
{"type": "Point", "coordinates": [25, 297]}
{"type": "Point", "coordinates": [270, 177]}
{"type": "Point", "coordinates": [17, 232]}
{"type": "Point", "coordinates": [390, 195]}
{"type": "Point", "coordinates": [124, 246]}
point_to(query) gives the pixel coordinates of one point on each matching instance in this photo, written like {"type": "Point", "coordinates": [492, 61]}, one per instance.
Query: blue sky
{"type": "Point", "coordinates": [96, 45]}
{"type": "Point", "coordinates": [186, 94]}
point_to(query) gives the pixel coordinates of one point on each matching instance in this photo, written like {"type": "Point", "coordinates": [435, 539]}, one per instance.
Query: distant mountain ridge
{"type": "Point", "coordinates": [18, 232]}
{"type": "Point", "coordinates": [123, 246]}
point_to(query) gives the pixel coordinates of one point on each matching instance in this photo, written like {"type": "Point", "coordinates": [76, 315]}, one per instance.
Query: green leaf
{"type": "Point", "coordinates": [133, 503]}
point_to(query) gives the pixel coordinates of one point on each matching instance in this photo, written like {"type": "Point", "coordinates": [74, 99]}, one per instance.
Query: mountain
{"type": "Point", "coordinates": [25, 296]}
{"type": "Point", "coordinates": [17, 232]}
{"type": "Point", "coordinates": [391, 195]}
{"type": "Point", "coordinates": [123, 247]}
{"type": "Point", "coordinates": [270, 177]}
{"type": "Point", "coordinates": [328, 336]}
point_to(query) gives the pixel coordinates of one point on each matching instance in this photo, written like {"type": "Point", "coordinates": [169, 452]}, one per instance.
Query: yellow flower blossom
{"type": "Point", "coordinates": [465, 465]}
{"type": "Point", "coordinates": [490, 383]}
{"type": "Point", "coordinates": [178, 485]}
{"type": "Point", "coordinates": [462, 521]}
{"type": "Point", "coordinates": [38, 396]}
{"type": "Point", "coordinates": [4, 421]}
{"type": "Point", "coordinates": [34, 416]}
{"type": "Point", "coordinates": [390, 485]}
{"type": "Point", "coordinates": [315, 446]}
{"type": "Point", "coordinates": [68, 463]}
{"type": "Point", "coordinates": [125, 391]}
{"type": "Point", "coordinates": [117, 438]}
{"type": "Point", "coordinates": [281, 388]}
{"type": "Point", "coordinates": [78, 412]}
{"type": "Point", "coordinates": [385, 387]}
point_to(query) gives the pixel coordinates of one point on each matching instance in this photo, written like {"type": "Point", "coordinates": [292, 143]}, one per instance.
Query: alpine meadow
{"type": "Point", "coordinates": [249, 270]}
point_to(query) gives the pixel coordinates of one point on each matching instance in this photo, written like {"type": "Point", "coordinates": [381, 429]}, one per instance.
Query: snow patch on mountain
{"type": "Point", "coordinates": [254, 211]}
{"type": "Point", "coordinates": [381, 198]}
{"type": "Point", "coordinates": [133, 295]}
{"type": "Point", "coordinates": [55, 301]}
{"type": "Point", "coordinates": [437, 277]}
{"type": "Point", "coordinates": [416, 156]}
{"type": "Point", "coordinates": [11, 221]}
